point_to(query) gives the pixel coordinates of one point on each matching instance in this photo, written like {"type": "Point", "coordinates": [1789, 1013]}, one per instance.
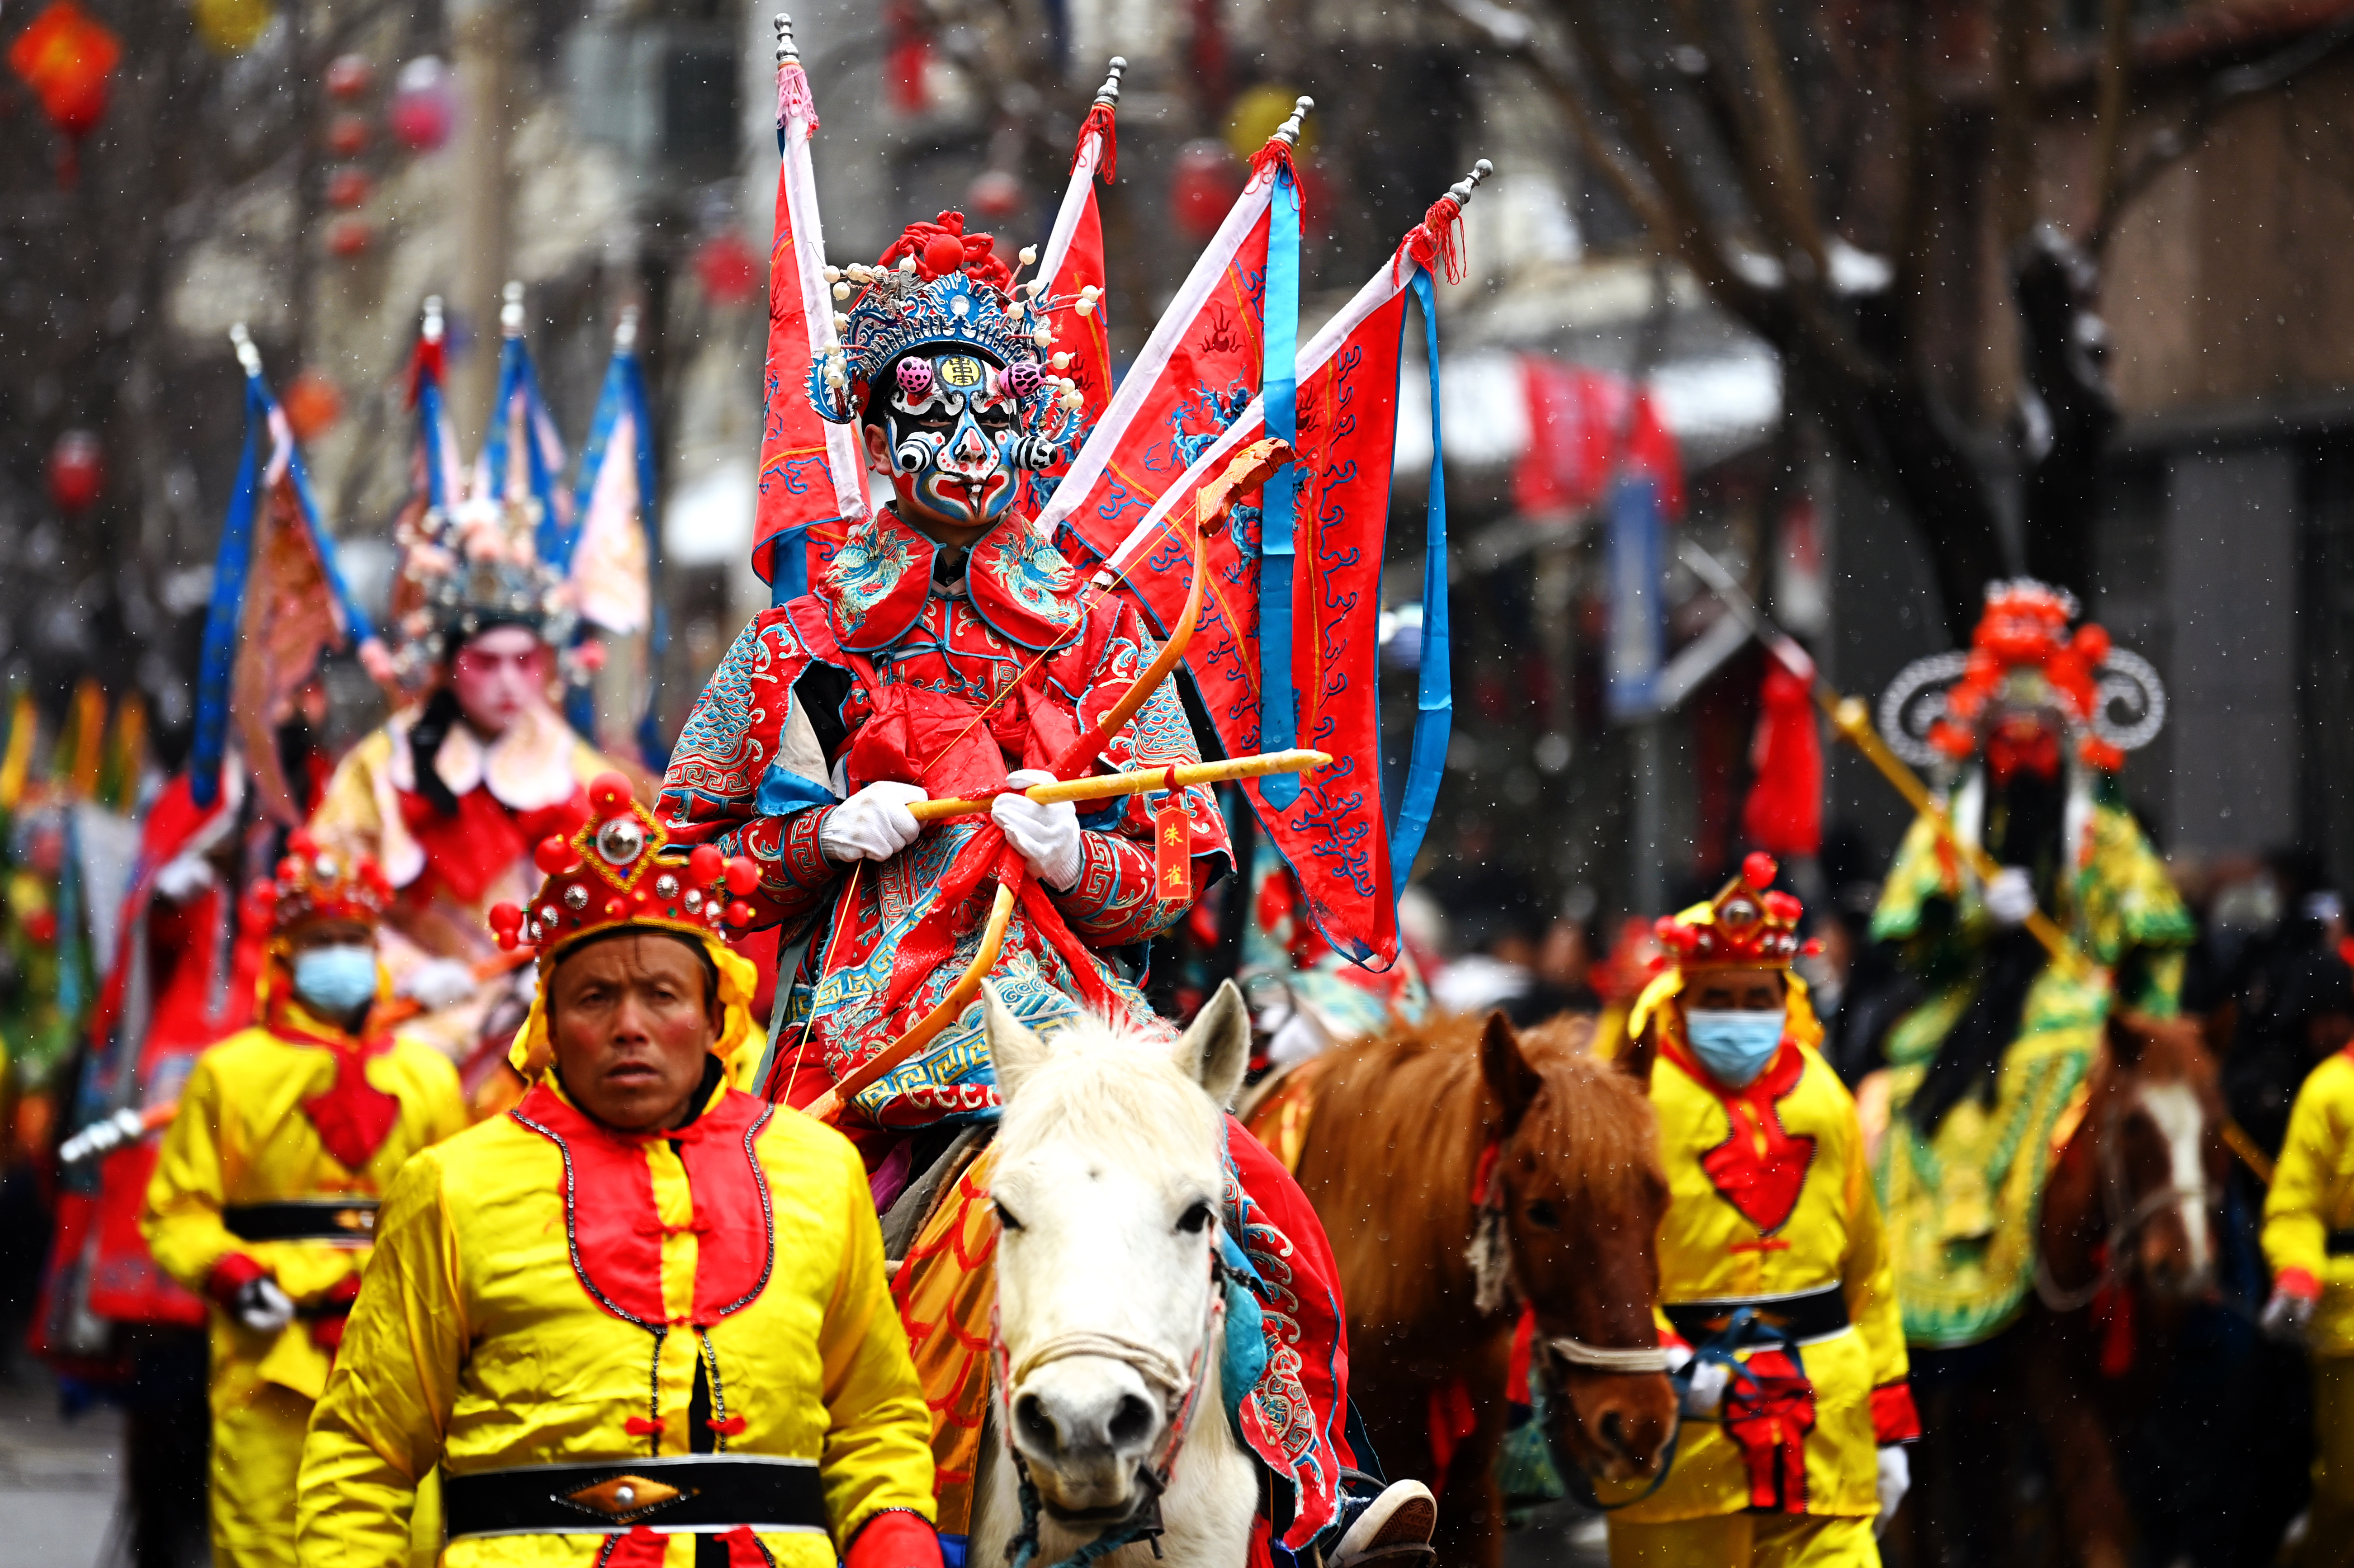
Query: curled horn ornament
{"type": "Point", "coordinates": [1913, 704]}
{"type": "Point", "coordinates": [2130, 704]}
{"type": "Point", "coordinates": [2025, 655]}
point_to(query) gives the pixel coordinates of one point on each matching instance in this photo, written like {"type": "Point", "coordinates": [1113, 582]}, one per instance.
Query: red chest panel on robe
{"type": "Point", "coordinates": [617, 1235]}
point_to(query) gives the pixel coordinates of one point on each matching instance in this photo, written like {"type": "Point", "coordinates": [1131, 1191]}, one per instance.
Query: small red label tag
{"type": "Point", "coordinates": [1172, 849]}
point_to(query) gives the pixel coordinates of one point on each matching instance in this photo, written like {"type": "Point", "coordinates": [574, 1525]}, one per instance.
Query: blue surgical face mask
{"type": "Point", "coordinates": [1733, 1046]}
{"type": "Point", "coordinates": [336, 981]}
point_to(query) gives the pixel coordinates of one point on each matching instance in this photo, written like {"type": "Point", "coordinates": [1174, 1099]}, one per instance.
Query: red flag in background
{"type": "Point", "coordinates": [1333, 834]}
{"type": "Point", "coordinates": [1584, 433]}
{"type": "Point", "coordinates": [811, 472]}
{"type": "Point", "coordinates": [1195, 375]}
{"type": "Point", "coordinates": [1073, 264]}
{"type": "Point", "coordinates": [1784, 814]}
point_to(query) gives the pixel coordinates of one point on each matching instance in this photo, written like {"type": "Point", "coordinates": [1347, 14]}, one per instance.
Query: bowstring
{"type": "Point", "coordinates": [825, 968]}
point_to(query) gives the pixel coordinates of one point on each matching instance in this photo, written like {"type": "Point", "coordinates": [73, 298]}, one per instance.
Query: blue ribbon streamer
{"type": "Point", "coordinates": [1434, 716]}
{"type": "Point", "coordinates": [519, 379]}
{"type": "Point", "coordinates": [789, 565]}
{"type": "Point", "coordinates": [232, 565]}
{"type": "Point", "coordinates": [1280, 383]}
{"type": "Point", "coordinates": [624, 392]}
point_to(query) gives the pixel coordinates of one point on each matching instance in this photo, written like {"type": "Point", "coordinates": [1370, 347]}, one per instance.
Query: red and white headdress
{"type": "Point", "coordinates": [615, 867]}
{"type": "Point", "coordinates": [2023, 658]}
{"type": "Point", "coordinates": [313, 884]}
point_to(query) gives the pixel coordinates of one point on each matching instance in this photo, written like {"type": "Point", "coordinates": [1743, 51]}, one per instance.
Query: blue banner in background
{"type": "Point", "coordinates": [1638, 599]}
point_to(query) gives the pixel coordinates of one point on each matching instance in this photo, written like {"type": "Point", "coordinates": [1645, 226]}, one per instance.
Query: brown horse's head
{"type": "Point", "coordinates": [2137, 1192]}
{"type": "Point", "coordinates": [1581, 1190]}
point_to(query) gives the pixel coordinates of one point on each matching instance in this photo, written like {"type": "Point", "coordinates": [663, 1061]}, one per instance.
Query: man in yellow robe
{"type": "Point", "coordinates": [2309, 1242]}
{"type": "Point", "coordinates": [1774, 1280]}
{"type": "Point", "coordinates": [264, 1196]}
{"type": "Point", "coordinates": [641, 1320]}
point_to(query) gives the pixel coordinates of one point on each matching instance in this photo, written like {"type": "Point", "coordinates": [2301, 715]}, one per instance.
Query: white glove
{"type": "Point", "coordinates": [874, 825]}
{"type": "Point", "coordinates": [1895, 1481]}
{"type": "Point", "coordinates": [2010, 898]}
{"type": "Point", "coordinates": [2287, 1317]}
{"type": "Point", "coordinates": [1047, 836]}
{"type": "Point", "coordinates": [182, 877]}
{"type": "Point", "coordinates": [262, 1307]}
{"type": "Point", "coordinates": [1705, 1398]}
{"type": "Point", "coordinates": [1296, 1039]}
{"type": "Point", "coordinates": [438, 983]}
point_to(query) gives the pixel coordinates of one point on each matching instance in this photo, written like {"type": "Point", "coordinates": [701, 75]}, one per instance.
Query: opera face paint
{"type": "Point", "coordinates": [950, 422]}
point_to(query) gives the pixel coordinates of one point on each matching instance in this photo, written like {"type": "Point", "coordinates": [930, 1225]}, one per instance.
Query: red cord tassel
{"type": "Point", "coordinates": [1104, 122]}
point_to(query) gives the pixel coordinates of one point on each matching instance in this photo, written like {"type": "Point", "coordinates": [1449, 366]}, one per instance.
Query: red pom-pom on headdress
{"type": "Point", "coordinates": [618, 868]}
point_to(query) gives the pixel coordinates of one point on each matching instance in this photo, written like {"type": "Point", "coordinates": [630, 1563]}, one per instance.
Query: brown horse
{"type": "Point", "coordinates": [2131, 1214]}
{"type": "Point", "coordinates": [1390, 1155]}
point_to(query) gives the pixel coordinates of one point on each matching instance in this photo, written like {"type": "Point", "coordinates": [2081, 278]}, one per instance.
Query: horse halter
{"type": "Point", "coordinates": [1499, 1289]}
{"type": "Point", "coordinates": [1181, 1396]}
{"type": "Point", "coordinates": [2122, 1220]}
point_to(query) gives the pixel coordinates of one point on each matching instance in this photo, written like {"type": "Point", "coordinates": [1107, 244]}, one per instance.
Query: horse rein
{"type": "Point", "coordinates": [1181, 1391]}
{"type": "Point", "coordinates": [2114, 1269]}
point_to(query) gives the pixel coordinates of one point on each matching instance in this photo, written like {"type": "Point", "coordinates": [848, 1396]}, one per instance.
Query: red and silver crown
{"type": "Point", "coordinates": [313, 884]}
{"type": "Point", "coordinates": [2024, 659]}
{"type": "Point", "coordinates": [1744, 925]}
{"type": "Point", "coordinates": [617, 867]}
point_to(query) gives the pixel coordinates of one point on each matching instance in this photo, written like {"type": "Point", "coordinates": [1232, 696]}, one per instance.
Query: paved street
{"type": "Point", "coordinates": [56, 1477]}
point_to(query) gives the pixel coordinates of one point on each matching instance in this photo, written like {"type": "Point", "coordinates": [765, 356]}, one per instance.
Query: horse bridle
{"type": "Point", "coordinates": [1181, 1392]}
{"type": "Point", "coordinates": [1499, 1289]}
{"type": "Point", "coordinates": [2113, 1271]}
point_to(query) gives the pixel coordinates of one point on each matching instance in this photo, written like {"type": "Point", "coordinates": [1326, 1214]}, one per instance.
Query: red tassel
{"type": "Point", "coordinates": [2114, 1309]}
{"type": "Point", "coordinates": [1277, 152]}
{"type": "Point", "coordinates": [640, 1548]}
{"type": "Point", "coordinates": [1105, 124]}
{"type": "Point", "coordinates": [1173, 846]}
{"type": "Point", "coordinates": [731, 1427]}
{"type": "Point", "coordinates": [641, 1426]}
{"type": "Point", "coordinates": [1784, 814]}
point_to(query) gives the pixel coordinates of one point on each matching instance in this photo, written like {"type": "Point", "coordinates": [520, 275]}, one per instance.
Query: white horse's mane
{"type": "Point", "coordinates": [1109, 1087]}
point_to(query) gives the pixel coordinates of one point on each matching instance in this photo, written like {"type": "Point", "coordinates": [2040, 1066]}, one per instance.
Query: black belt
{"type": "Point", "coordinates": [702, 1493]}
{"type": "Point", "coordinates": [1807, 1315]}
{"type": "Point", "coordinates": [2340, 1244]}
{"type": "Point", "coordinates": [349, 1221]}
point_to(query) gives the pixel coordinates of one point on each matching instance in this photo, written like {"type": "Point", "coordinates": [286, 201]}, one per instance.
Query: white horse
{"type": "Point", "coordinates": [1111, 1312]}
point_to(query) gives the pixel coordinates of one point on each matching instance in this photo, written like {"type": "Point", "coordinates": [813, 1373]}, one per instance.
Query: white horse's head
{"type": "Point", "coordinates": [1107, 1182]}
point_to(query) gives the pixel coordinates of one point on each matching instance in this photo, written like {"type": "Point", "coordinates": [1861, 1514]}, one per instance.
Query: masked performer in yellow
{"type": "Point", "coordinates": [264, 1196]}
{"type": "Point", "coordinates": [641, 1318]}
{"type": "Point", "coordinates": [1771, 1272]}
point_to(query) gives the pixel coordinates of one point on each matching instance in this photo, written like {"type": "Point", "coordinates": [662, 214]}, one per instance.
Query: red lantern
{"type": "Point", "coordinates": [1206, 180]}
{"type": "Point", "coordinates": [727, 269]}
{"type": "Point", "coordinates": [313, 404]}
{"type": "Point", "coordinates": [65, 56]}
{"type": "Point", "coordinates": [997, 195]}
{"type": "Point", "coordinates": [424, 107]}
{"type": "Point", "coordinates": [348, 237]}
{"type": "Point", "coordinates": [348, 187]}
{"type": "Point", "coordinates": [348, 76]}
{"type": "Point", "coordinates": [77, 472]}
{"type": "Point", "coordinates": [347, 136]}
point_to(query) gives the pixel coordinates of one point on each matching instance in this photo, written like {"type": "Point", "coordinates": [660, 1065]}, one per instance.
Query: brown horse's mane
{"type": "Point", "coordinates": [1401, 1123]}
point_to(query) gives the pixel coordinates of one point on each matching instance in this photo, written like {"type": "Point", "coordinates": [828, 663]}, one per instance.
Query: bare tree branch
{"type": "Point", "coordinates": [2016, 22]}
{"type": "Point", "coordinates": [2109, 110]}
{"type": "Point", "coordinates": [2219, 92]}
{"type": "Point", "coordinates": [1781, 155]}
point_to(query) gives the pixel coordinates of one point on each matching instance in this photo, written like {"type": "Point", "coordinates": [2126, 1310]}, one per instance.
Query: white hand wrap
{"type": "Point", "coordinates": [874, 825]}
{"type": "Point", "coordinates": [262, 1307]}
{"type": "Point", "coordinates": [1046, 836]}
{"type": "Point", "coordinates": [1894, 1481]}
{"type": "Point", "coordinates": [2010, 898]}
{"type": "Point", "coordinates": [438, 983]}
